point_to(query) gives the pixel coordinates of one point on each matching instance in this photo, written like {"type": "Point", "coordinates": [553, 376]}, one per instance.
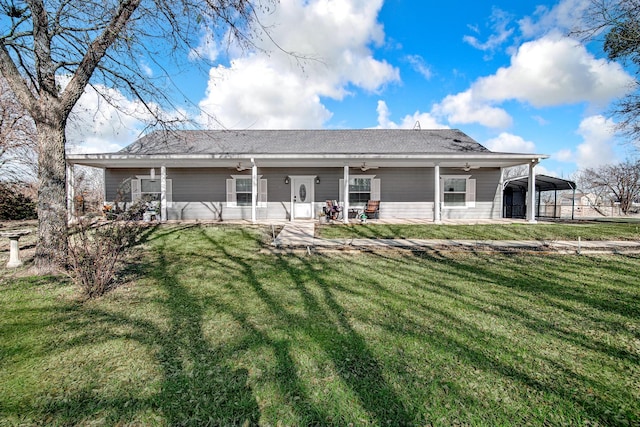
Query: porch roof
{"type": "Point", "coordinates": [306, 148]}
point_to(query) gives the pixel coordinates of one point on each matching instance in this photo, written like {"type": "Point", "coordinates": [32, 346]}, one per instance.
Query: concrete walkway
{"type": "Point", "coordinates": [301, 235]}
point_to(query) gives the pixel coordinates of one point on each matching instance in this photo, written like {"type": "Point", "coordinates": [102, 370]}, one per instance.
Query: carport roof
{"type": "Point", "coordinates": [543, 183]}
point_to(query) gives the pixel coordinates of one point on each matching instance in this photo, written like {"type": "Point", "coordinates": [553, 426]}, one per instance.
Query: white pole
{"type": "Point", "coordinates": [163, 193]}
{"type": "Point", "coordinates": [254, 191]}
{"type": "Point", "coordinates": [531, 209]}
{"type": "Point", "coordinates": [345, 195]}
{"type": "Point", "coordinates": [436, 195]}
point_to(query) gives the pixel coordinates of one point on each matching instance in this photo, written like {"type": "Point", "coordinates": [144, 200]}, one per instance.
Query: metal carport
{"type": "Point", "coordinates": [515, 189]}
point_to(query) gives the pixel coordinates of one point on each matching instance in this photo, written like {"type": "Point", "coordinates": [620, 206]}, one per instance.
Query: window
{"type": "Point", "coordinates": [458, 191]}
{"type": "Point", "coordinates": [150, 189]}
{"type": "Point", "coordinates": [243, 191]}
{"type": "Point", "coordinates": [239, 191]}
{"type": "Point", "coordinates": [362, 188]}
{"type": "Point", "coordinates": [359, 190]}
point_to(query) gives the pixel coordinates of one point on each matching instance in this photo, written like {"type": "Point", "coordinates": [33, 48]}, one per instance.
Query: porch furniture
{"type": "Point", "coordinates": [372, 209]}
{"type": "Point", "coordinates": [333, 210]}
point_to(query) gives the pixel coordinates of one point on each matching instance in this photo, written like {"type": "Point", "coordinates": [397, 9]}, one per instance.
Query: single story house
{"type": "Point", "coordinates": [290, 174]}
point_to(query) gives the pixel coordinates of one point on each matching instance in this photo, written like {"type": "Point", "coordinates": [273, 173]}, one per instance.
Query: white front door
{"type": "Point", "coordinates": [302, 195]}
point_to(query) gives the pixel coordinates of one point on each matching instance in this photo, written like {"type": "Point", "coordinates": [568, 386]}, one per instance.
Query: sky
{"type": "Point", "coordinates": [504, 72]}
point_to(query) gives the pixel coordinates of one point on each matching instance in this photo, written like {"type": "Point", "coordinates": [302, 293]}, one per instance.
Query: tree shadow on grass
{"type": "Point", "coordinates": [324, 323]}
{"type": "Point", "coordinates": [196, 386]}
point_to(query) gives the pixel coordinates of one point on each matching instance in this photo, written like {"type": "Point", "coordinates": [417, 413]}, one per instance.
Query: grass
{"type": "Point", "coordinates": [214, 330]}
{"type": "Point", "coordinates": [516, 231]}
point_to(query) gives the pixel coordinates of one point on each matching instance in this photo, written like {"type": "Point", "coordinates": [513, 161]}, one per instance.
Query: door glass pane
{"type": "Point", "coordinates": [303, 193]}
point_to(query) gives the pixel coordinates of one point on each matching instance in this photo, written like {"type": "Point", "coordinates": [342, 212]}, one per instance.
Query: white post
{"type": "Point", "coordinates": [501, 190]}
{"type": "Point", "coordinates": [71, 208]}
{"type": "Point", "coordinates": [531, 208]}
{"type": "Point", "coordinates": [436, 195]}
{"type": "Point", "coordinates": [163, 193]}
{"type": "Point", "coordinates": [345, 195]}
{"type": "Point", "coordinates": [254, 190]}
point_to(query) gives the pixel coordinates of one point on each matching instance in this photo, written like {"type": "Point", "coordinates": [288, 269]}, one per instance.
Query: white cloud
{"type": "Point", "coordinates": [564, 16]}
{"type": "Point", "coordinates": [417, 63]}
{"type": "Point", "coordinates": [509, 143]}
{"type": "Point", "coordinates": [207, 48]}
{"type": "Point", "coordinates": [564, 155]}
{"type": "Point", "coordinates": [550, 71]}
{"type": "Point", "coordinates": [284, 91]}
{"type": "Point", "coordinates": [98, 126]}
{"type": "Point", "coordinates": [465, 108]}
{"type": "Point", "coordinates": [597, 146]}
{"type": "Point", "coordinates": [499, 22]}
{"type": "Point", "coordinates": [554, 70]}
{"type": "Point", "coordinates": [426, 120]}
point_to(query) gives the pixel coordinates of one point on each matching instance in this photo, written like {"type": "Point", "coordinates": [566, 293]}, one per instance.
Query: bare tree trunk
{"type": "Point", "coordinates": [51, 247]}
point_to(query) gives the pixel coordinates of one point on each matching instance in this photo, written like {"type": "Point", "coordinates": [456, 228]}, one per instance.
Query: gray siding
{"type": "Point", "coordinates": [200, 193]}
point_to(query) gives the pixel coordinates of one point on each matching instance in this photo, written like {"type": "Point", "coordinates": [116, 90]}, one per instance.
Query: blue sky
{"type": "Point", "coordinates": [504, 72]}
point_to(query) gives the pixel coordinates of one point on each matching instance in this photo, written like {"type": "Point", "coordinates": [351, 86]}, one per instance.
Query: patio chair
{"type": "Point", "coordinates": [372, 209]}
{"type": "Point", "coordinates": [332, 210]}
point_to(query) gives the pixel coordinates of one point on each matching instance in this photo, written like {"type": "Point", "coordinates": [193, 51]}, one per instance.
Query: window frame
{"type": "Point", "coordinates": [232, 200]}
{"type": "Point", "coordinates": [469, 193]}
{"type": "Point", "coordinates": [137, 193]}
{"type": "Point", "coordinates": [374, 193]}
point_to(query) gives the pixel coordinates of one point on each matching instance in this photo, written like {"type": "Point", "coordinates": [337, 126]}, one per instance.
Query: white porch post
{"type": "Point", "coordinates": [71, 207]}
{"type": "Point", "coordinates": [531, 208]}
{"type": "Point", "coordinates": [254, 190]}
{"type": "Point", "coordinates": [501, 190]}
{"type": "Point", "coordinates": [163, 193]}
{"type": "Point", "coordinates": [345, 195]}
{"type": "Point", "coordinates": [436, 194]}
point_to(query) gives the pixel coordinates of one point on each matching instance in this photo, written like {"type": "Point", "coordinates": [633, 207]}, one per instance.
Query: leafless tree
{"type": "Point", "coordinates": [516, 172]}
{"type": "Point", "coordinates": [616, 24]}
{"type": "Point", "coordinates": [50, 51]}
{"type": "Point", "coordinates": [618, 183]}
{"type": "Point", "coordinates": [17, 140]}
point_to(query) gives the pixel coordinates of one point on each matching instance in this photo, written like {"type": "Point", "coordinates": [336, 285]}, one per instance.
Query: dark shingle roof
{"type": "Point", "coordinates": [255, 142]}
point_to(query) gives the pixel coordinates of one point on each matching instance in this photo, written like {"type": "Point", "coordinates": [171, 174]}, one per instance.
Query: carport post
{"type": "Point", "coordinates": [531, 209]}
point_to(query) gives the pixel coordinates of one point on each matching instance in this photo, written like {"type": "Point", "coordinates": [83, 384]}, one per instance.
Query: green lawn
{"type": "Point", "coordinates": [627, 230]}
{"type": "Point", "coordinates": [213, 329]}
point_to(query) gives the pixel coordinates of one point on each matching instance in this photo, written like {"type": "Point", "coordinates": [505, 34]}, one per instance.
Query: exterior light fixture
{"type": "Point", "coordinates": [317, 180]}
{"type": "Point", "coordinates": [286, 179]}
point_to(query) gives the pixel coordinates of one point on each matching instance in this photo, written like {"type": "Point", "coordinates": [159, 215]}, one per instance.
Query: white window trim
{"type": "Point", "coordinates": [231, 192]}
{"type": "Point", "coordinates": [470, 191]}
{"type": "Point", "coordinates": [137, 195]}
{"type": "Point", "coordinates": [375, 189]}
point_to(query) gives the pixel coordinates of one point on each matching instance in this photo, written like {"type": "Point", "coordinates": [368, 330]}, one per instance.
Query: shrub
{"type": "Point", "coordinates": [14, 204]}
{"type": "Point", "coordinates": [96, 251]}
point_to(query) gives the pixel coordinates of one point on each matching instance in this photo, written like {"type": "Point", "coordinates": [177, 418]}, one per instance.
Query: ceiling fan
{"type": "Point", "coordinates": [365, 168]}
{"type": "Point", "coordinates": [467, 167]}
{"type": "Point", "coordinates": [241, 168]}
